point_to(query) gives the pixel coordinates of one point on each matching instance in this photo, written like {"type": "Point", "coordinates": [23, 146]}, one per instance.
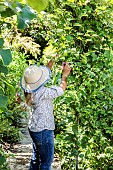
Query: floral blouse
{"type": "Point", "coordinates": [41, 115]}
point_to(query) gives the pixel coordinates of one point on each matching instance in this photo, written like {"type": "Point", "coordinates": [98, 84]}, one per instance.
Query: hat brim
{"type": "Point", "coordinates": [30, 88]}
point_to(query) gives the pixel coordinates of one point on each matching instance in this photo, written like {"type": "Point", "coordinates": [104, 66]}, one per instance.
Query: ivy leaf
{"type": "Point", "coordinates": [6, 56]}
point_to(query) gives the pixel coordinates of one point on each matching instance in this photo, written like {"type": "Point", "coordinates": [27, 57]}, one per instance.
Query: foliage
{"type": "Point", "coordinates": [24, 14]}
{"type": "Point", "coordinates": [81, 31]}
{"type": "Point", "coordinates": [81, 34]}
{"type": "Point", "coordinates": [11, 115]}
{"type": "Point", "coordinates": [11, 109]}
{"type": "Point", "coordinates": [3, 157]}
{"type": "Point", "coordinates": [5, 59]}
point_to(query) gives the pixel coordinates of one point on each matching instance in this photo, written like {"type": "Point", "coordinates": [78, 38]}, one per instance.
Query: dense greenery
{"type": "Point", "coordinates": [11, 109]}
{"type": "Point", "coordinates": [80, 32]}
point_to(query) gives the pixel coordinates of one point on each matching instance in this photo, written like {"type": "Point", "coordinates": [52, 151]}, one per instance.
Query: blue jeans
{"type": "Point", "coordinates": [43, 150]}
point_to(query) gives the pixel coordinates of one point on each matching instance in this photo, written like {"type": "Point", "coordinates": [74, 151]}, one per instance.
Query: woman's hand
{"type": "Point", "coordinates": [50, 63]}
{"type": "Point", "coordinates": [66, 70]}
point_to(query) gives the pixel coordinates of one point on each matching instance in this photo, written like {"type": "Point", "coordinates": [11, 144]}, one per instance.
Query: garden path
{"type": "Point", "coordinates": [22, 154]}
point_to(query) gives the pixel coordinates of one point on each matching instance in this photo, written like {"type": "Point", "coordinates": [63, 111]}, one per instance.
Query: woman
{"type": "Point", "coordinates": [41, 122]}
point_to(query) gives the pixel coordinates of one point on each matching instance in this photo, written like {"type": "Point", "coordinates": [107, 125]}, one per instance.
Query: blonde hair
{"type": "Point", "coordinates": [28, 98]}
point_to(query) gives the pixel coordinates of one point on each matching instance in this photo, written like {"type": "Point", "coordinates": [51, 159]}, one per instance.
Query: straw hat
{"type": "Point", "coordinates": [34, 77]}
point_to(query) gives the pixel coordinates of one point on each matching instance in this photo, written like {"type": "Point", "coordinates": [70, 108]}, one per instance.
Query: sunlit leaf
{"type": "Point", "coordinates": [6, 56]}
{"type": "Point", "coordinates": [38, 5]}
{"type": "Point", "coordinates": [77, 25]}
{"type": "Point", "coordinates": [2, 7]}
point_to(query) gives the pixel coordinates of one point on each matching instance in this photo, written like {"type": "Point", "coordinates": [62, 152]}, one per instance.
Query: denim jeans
{"type": "Point", "coordinates": [43, 150]}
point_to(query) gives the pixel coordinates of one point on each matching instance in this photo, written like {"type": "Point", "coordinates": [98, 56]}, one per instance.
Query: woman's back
{"type": "Point", "coordinates": [41, 115]}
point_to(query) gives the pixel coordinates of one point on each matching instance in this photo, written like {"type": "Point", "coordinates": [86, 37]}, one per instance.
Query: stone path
{"type": "Point", "coordinates": [22, 154]}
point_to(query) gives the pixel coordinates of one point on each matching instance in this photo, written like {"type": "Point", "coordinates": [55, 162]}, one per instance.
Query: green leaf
{"type": "Point", "coordinates": [1, 92]}
{"type": "Point", "coordinates": [11, 88]}
{"type": "Point", "coordinates": [21, 23]}
{"type": "Point", "coordinates": [75, 128]}
{"type": "Point", "coordinates": [3, 101]}
{"type": "Point", "coordinates": [39, 5]}
{"type": "Point", "coordinates": [6, 56]}
{"type": "Point", "coordinates": [77, 25]}
{"type": "Point", "coordinates": [7, 13]}
{"type": "Point", "coordinates": [69, 38]}
{"type": "Point", "coordinates": [25, 16]}
{"type": "Point", "coordinates": [3, 69]}
{"type": "Point", "coordinates": [2, 160]}
{"type": "Point", "coordinates": [1, 42]}
{"type": "Point", "coordinates": [2, 6]}
{"type": "Point", "coordinates": [27, 13]}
